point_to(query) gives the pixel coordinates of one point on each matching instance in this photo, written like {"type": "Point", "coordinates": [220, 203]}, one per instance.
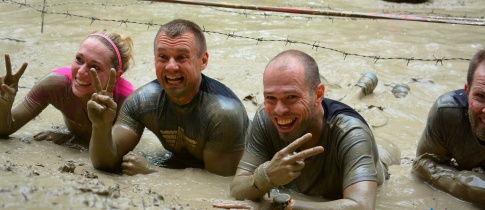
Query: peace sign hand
{"type": "Point", "coordinates": [101, 107]}
{"type": "Point", "coordinates": [287, 163]}
{"type": "Point", "coordinates": [9, 83]}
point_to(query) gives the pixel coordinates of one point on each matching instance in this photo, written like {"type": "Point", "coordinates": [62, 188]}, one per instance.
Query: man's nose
{"type": "Point", "coordinates": [172, 64]}
{"type": "Point", "coordinates": [281, 108]}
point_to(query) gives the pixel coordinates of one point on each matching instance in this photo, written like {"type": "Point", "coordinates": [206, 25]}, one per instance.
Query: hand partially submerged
{"type": "Point", "coordinates": [54, 136]}
{"type": "Point", "coordinates": [136, 163]}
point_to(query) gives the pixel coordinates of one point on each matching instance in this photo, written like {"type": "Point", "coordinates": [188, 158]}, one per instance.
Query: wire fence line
{"type": "Point", "coordinates": [314, 46]}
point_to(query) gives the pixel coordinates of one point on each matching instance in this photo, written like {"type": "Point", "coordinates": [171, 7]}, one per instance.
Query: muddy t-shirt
{"type": "Point", "coordinates": [448, 133]}
{"type": "Point", "coordinates": [55, 89]}
{"type": "Point", "coordinates": [215, 120]}
{"type": "Point", "coordinates": [350, 152]}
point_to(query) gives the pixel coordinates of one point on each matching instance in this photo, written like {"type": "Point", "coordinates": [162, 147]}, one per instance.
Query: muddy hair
{"type": "Point", "coordinates": [478, 58]}
{"type": "Point", "coordinates": [178, 27]}
{"type": "Point", "coordinates": [312, 75]}
{"type": "Point", "coordinates": [124, 44]}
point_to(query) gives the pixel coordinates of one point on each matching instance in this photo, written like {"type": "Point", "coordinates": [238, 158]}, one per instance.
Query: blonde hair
{"type": "Point", "coordinates": [124, 44]}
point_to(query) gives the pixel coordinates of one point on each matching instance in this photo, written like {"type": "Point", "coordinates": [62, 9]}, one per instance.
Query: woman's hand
{"type": "Point", "coordinates": [9, 83]}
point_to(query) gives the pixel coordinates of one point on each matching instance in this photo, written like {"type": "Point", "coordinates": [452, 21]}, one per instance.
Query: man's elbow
{"type": "Point", "coordinates": [104, 166]}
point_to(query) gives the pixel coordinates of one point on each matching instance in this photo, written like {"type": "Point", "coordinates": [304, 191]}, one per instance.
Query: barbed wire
{"type": "Point", "coordinates": [314, 46]}
{"type": "Point", "coordinates": [78, 2]}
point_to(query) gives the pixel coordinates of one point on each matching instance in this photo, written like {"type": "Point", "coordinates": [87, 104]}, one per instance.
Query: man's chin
{"type": "Point", "coordinates": [288, 136]}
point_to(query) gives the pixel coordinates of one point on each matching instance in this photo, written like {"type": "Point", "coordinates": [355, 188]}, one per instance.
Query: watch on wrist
{"type": "Point", "coordinates": [281, 201]}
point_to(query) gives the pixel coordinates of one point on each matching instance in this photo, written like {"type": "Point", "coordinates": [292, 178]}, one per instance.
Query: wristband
{"type": "Point", "coordinates": [261, 179]}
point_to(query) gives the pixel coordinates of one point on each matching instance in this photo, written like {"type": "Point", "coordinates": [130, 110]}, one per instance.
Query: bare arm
{"type": "Point", "coordinates": [108, 145]}
{"type": "Point", "coordinates": [361, 195]}
{"type": "Point", "coordinates": [466, 185]}
{"type": "Point", "coordinates": [224, 164]}
{"type": "Point", "coordinates": [12, 120]}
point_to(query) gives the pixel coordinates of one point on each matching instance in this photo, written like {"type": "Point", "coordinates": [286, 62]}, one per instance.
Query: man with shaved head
{"type": "Point", "coordinates": [304, 142]}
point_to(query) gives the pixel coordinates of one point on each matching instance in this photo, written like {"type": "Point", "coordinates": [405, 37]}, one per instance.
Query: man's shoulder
{"type": "Point", "coordinates": [453, 99]}
{"type": "Point", "coordinates": [150, 88]}
{"type": "Point", "coordinates": [336, 110]}
{"type": "Point", "coordinates": [214, 87]}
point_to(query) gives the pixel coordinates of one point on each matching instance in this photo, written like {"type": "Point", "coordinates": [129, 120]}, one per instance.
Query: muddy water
{"type": "Point", "coordinates": [45, 175]}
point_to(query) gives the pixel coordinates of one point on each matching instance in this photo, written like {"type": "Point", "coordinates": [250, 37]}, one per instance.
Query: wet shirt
{"type": "Point", "coordinates": [350, 153]}
{"type": "Point", "coordinates": [55, 89]}
{"type": "Point", "coordinates": [448, 133]}
{"type": "Point", "coordinates": [215, 120]}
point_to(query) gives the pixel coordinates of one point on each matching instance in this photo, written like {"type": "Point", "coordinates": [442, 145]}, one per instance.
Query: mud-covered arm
{"type": "Point", "coordinates": [108, 144]}
{"type": "Point", "coordinates": [361, 195]}
{"type": "Point", "coordinates": [223, 164]}
{"type": "Point", "coordinates": [463, 184]}
{"type": "Point", "coordinates": [227, 131]}
{"type": "Point", "coordinates": [11, 119]}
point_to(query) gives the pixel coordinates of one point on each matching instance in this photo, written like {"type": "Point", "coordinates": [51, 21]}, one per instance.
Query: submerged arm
{"type": "Point", "coordinates": [466, 185]}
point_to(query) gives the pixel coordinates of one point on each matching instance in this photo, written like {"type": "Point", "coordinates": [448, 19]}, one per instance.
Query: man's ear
{"type": "Point", "coordinates": [205, 60]}
{"type": "Point", "coordinates": [466, 88]}
{"type": "Point", "coordinates": [320, 92]}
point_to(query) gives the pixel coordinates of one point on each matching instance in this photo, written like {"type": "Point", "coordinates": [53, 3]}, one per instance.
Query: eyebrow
{"type": "Point", "coordinates": [180, 49]}
{"type": "Point", "coordinates": [93, 61]}
{"type": "Point", "coordinates": [294, 91]}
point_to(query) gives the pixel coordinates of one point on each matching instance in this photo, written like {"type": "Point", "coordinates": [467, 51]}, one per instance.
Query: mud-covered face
{"type": "Point", "coordinates": [288, 102]}
{"type": "Point", "coordinates": [92, 54]}
{"type": "Point", "coordinates": [476, 102]}
{"type": "Point", "coordinates": [178, 66]}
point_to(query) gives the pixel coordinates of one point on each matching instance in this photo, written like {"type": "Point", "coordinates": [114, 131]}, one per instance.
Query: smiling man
{"type": "Point", "coordinates": [451, 152]}
{"type": "Point", "coordinates": [198, 119]}
{"type": "Point", "coordinates": [288, 136]}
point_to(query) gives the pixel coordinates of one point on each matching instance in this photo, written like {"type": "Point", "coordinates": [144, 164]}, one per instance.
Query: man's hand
{"type": "Point", "coordinates": [287, 163]}
{"type": "Point", "coordinates": [101, 107]}
{"type": "Point", "coordinates": [9, 83]}
{"type": "Point", "coordinates": [56, 137]}
{"type": "Point", "coordinates": [135, 163]}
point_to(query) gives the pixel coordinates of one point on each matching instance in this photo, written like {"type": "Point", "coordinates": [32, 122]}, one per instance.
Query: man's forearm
{"type": "Point", "coordinates": [466, 185]}
{"type": "Point", "coordinates": [335, 204]}
{"type": "Point", "coordinates": [103, 150]}
{"type": "Point", "coordinates": [241, 189]}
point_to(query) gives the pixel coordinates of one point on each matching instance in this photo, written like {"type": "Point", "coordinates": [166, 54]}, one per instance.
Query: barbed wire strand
{"type": "Point", "coordinates": [309, 11]}
{"type": "Point", "coordinates": [315, 45]}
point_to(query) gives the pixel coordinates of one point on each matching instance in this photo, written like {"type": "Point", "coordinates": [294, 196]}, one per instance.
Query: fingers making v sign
{"type": "Point", "coordinates": [101, 106]}
{"type": "Point", "coordinates": [9, 83]}
{"type": "Point", "coordinates": [287, 163]}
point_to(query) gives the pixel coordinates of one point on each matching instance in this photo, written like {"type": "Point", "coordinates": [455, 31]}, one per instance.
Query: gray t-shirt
{"type": "Point", "coordinates": [448, 133]}
{"type": "Point", "coordinates": [350, 154]}
{"type": "Point", "coordinates": [214, 120]}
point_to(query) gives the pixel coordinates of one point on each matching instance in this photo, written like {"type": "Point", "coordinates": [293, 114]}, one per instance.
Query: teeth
{"type": "Point", "coordinates": [174, 77]}
{"type": "Point", "coordinates": [286, 122]}
{"type": "Point", "coordinates": [81, 83]}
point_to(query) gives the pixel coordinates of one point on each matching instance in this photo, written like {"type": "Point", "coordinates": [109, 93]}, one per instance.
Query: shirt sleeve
{"type": "Point", "coordinates": [227, 127]}
{"type": "Point", "coordinates": [131, 111]}
{"type": "Point", "coordinates": [48, 88]}
{"type": "Point", "coordinates": [433, 137]}
{"type": "Point", "coordinates": [357, 151]}
{"type": "Point", "coordinates": [258, 149]}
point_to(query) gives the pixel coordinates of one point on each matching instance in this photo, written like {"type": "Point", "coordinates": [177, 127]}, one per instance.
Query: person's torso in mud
{"type": "Point", "coordinates": [350, 154]}
{"type": "Point", "coordinates": [448, 133]}
{"type": "Point", "coordinates": [55, 89]}
{"type": "Point", "coordinates": [215, 120]}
